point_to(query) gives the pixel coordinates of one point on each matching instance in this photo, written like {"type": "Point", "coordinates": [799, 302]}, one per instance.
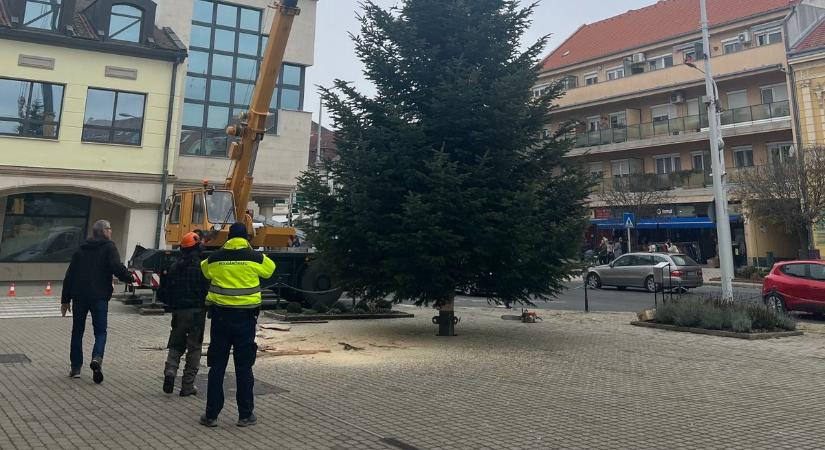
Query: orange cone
{"type": "Point", "coordinates": [11, 291]}
{"type": "Point", "coordinates": [49, 288]}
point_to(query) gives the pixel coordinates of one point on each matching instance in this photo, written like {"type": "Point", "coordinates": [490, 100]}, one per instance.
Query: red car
{"type": "Point", "coordinates": [796, 286]}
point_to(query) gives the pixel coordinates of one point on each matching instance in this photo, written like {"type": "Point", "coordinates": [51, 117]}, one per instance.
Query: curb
{"type": "Point", "coordinates": [294, 318]}
{"type": "Point", "coordinates": [719, 333]}
{"type": "Point", "coordinates": [738, 284]}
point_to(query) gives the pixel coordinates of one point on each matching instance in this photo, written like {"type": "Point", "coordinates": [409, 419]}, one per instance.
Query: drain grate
{"type": "Point", "coordinates": [14, 358]}
{"type": "Point", "coordinates": [398, 444]}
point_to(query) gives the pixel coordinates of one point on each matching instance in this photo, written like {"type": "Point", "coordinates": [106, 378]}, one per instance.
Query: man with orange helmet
{"type": "Point", "coordinates": [184, 292]}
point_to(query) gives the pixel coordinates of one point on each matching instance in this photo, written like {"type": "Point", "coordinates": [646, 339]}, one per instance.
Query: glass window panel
{"type": "Point", "coordinates": [227, 15]}
{"type": "Point", "coordinates": [291, 75]}
{"type": "Point", "coordinates": [203, 11]}
{"type": "Point", "coordinates": [13, 93]}
{"type": "Point", "coordinates": [95, 134]}
{"type": "Point", "coordinates": [222, 66]}
{"type": "Point", "coordinates": [290, 99]}
{"type": "Point", "coordinates": [192, 115]}
{"type": "Point", "coordinates": [273, 104]}
{"type": "Point", "coordinates": [195, 88]}
{"type": "Point", "coordinates": [190, 142]}
{"type": "Point", "coordinates": [198, 63]}
{"type": "Point", "coordinates": [100, 106]}
{"type": "Point", "coordinates": [215, 144]}
{"type": "Point", "coordinates": [125, 23]}
{"type": "Point", "coordinates": [46, 102]}
{"type": "Point", "coordinates": [219, 91]}
{"type": "Point", "coordinates": [198, 209]}
{"type": "Point", "coordinates": [217, 117]}
{"type": "Point", "coordinates": [243, 93]}
{"type": "Point", "coordinates": [10, 127]}
{"type": "Point", "coordinates": [126, 137]}
{"type": "Point", "coordinates": [225, 40]}
{"type": "Point", "coordinates": [129, 112]}
{"type": "Point", "coordinates": [250, 19]}
{"type": "Point", "coordinates": [248, 44]}
{"type": "Point", "coordinates": [247, 69]}
{"type": "Point", "coordinates": [41, 14]}
{"type": "Point", "coordinates": [41, 239]}
{"type": "Point", "coordinates": [201, 36]}
{"type": "Point", "coordinates": [264, 41]}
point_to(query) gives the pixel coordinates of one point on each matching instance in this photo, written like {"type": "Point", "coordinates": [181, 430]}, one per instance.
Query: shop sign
{"type": "Point", "coordinates": [686, 211]}
{"type": "Point", "coordinates": [602, 213]}
{"type": "Point", "coordinates": [665, 212]}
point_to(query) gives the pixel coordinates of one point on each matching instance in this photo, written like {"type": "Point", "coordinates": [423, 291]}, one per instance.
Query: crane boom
{"type": "Point", "coordinates": [252, 128]}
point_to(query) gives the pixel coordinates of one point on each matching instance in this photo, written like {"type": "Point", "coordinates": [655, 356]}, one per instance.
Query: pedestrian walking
{"type": "Point", "coordinates": [234, 300]}
{"type": "Point", "coordinates": [603, 251]}
{"type": "Point", "coordinates": [617, 248]}
{"type": "Point", "coordinates": [87, 289]}
{"type": "Point", "coordinates": [184, 291]}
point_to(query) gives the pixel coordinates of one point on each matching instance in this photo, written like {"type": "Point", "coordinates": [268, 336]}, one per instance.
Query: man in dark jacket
{"type": "Point", "coordinates": [88, 286]}
{"type": "Point", "coordinates": [184, 291]}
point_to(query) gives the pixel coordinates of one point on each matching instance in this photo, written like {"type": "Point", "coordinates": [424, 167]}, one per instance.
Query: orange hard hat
{"type": "Point", "coordinates": [190, 239]}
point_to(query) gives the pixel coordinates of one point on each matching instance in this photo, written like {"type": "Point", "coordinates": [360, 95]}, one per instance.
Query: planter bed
{"type": "Point", "coordinates": [286, 317]}
{"type": "Point", "coordinates": [720, 333]}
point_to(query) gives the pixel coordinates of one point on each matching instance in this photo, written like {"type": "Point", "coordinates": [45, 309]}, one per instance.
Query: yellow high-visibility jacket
{"type": "Point", "coordinates": [235, 272]}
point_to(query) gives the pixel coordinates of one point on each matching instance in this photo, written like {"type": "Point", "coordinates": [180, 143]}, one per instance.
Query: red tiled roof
{"type": "Point", "coordinates": [815, 39]}
{"type": "Point", "coordinates": [663, 20]}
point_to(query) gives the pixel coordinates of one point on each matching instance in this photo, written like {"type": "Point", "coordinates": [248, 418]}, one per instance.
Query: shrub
{"type": "Point", "coordinates": [294, 308]}
{"type": "Point", "coordinates": [712, 318]}
{"type": "Point", "coordinates": [341, 306]}
{"type": "Point", "coordinates": [713, 314]}
{"type": "Point", "coordinates": [322, 308]}
{"type": "Point", "coordinates": [383, 304]}
{"type": "Point", "coordinates": [335, 311]}
{"type": "Point", "coordinates": [740, 322]}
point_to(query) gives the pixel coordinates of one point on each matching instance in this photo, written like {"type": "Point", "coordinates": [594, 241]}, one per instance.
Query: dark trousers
{"type": "Point", "coordinates": [186, 336]}
{"type": "Point", "coordinates": [231, 328]}
{"type": "Point", "coordinates": [80, 309]}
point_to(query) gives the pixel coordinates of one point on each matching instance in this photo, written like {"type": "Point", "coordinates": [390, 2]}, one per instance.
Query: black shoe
{"type": "Point", "coordinates": [168, 384]}
{"type": "Point", "coordinates": [248, 422]}
{"type": "Point", "coordinates": [74, 373]}
{"type": "Point", "coordinates": [207, 422]}
{"type": "Point", "coordinates": [97, 373]}
{"type": "Point", "coordinates": [187, 391]}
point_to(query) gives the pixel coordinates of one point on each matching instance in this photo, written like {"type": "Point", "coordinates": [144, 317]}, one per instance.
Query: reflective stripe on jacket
{"type": "Point", "coordinates": [236, 271]}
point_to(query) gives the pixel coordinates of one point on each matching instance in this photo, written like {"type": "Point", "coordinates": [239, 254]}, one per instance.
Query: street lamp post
{"type": "Point", "coordinates": [718, 166]}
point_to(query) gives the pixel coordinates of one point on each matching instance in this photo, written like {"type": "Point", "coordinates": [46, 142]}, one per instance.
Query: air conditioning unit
{"type": "Point", "coordinates": [677, 97]}
{"type": "Point", "coordinates": [704, 99]}
{"type": "Point", "coordinates": [745, 37]}
{"type": "Point", "coordinates": [639, 58]}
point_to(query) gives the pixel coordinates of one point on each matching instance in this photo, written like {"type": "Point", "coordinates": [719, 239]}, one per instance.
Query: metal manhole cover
{"type": "Point", "coordinates": [14, 358]}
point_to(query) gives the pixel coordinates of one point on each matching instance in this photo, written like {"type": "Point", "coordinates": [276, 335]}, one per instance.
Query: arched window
{"type": "Point", "coordinates": [125, 24]}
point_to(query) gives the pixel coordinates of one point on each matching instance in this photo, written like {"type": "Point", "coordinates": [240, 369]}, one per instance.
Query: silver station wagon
{"type": "Point", "coordinates": [637, 270]}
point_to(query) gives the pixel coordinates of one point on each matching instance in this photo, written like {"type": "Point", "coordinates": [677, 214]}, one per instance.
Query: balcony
{"type": "Point", "coordinates": [646, 182]}
{"type": "Point", "coordinates": [676, 77]}
{"type": "Point", "coordinates": [749, 115]}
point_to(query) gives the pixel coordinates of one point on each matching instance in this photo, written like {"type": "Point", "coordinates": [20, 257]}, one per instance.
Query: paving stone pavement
{"type": "Point", "coordinates": [571, 381]}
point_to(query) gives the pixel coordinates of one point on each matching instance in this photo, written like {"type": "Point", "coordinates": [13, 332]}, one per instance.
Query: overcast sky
{"type": "Point", "coordinates": [335, 57]}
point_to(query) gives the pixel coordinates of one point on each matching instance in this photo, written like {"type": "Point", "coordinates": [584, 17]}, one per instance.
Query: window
{"type": "Point", "coordinates": [539, 91]}
{"type": "Point", "coordinates": [226, 49]}
{"type": "Point", "coordinates": [689, 55]}
{"type": "Point", "coordinates": [29, 108]}
{"type": "Point", "coordinates": [591, 78]}
{"type": "Point", "coordinates": [43, 227]}
{"type": "Point", "coordinates": [125, 23]}
{"type": "Point", "coordinates": [642, 260]}
{"type": "Point", "coordinates": [624, 261]}
{"type": "Point", "coordinates": [668, 164]}
{"type": "Point", "coordinates": [570, 82]}
{"type": "Point", "coordinates": [42, 14]}
{"type": "Point", "coordinates": [198, 213]}
{"type": "Point", "coordinates": [817, 271]}
{"type": "Point", "coordinates": [220, 207]}
{"type": "Point", "coordinates": [661, 62]}
{"type": "Point", "coordinates": [683, 260]}
{"type": "Point", "coordinates": [743, 157]}
{"type": "Point", "coordinates": [618, 120]}
{"type": "Point", "coordinates": [660, 113]}
{"type": "Point", "coordinates": [615, 73]}
{"type": "Point", "coordinates": [594, 123]}
{"type": "Point", "coordinates": [780, 151]}
{"type": "Point", "coordinates": [596, 170]}
{"type": "Point", "coordinates": [701, 161]}
{"type": "Point", "coordinates": [737, 99]}
{"type": "Point", "coordinates": [768, 37]}
{"type": "Point", "coordinates": [795, 270]}
{"type": "Point", "coordinates": [174, 215]}
{"type": "Point", "coordinates": [620, 168]}
{"type": "Point", "coordinates": [775, 93]}
{"type": "Point", "coordinates": [113, 117]}
{"type": "Point", "coordinates": [732, 45]}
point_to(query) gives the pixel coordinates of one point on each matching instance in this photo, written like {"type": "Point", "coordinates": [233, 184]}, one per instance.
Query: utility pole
{"type": "Point", "coordinates": [718, 166]}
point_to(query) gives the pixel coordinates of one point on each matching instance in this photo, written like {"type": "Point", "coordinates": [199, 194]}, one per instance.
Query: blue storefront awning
{"type": "Point", "coordinates": [664, 223]}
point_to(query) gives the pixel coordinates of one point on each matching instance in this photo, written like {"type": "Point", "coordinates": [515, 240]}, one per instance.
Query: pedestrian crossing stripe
{"type": "Point", "coordinates": [31, 308]}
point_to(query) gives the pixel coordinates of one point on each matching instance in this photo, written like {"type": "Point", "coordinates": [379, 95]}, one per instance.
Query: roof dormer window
{"type": "Point", "coordinates": [42, 14]}
{"type": "Point", "coordinates": [125, 23]}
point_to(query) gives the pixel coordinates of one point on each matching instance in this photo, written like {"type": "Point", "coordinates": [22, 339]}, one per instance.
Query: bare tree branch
{"type": "Point", "coordinates": [635, 193]}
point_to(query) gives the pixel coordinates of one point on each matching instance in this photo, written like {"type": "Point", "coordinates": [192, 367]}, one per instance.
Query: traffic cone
{"type": "Point", "coordinates": [49, 288]}
{"type": "Point", "coordinates": [11, 291]}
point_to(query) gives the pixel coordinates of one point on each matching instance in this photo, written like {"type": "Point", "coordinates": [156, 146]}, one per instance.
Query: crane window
{"type": "Point", "coordinates": [197, 209]}
{"type": "Point", "coordinates": [220, 207]}
{"type": "Point", "coordinates": [29, 108]}
{"type": "Point", "coordinates": [174, 214]}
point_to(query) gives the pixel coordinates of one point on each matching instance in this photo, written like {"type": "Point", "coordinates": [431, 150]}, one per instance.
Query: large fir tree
{"type": "Point", "coordinates": [444, 177]}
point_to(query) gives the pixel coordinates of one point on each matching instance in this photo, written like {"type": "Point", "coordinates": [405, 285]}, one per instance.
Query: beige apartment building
{"type": "Point", "coordinates": [641, 108]}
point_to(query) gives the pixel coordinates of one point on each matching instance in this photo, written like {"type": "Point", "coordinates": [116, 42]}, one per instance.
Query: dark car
{"type": "Point", "coordinates": [796, 286]}
{"type": "Point", "coordinates": [636, 270]}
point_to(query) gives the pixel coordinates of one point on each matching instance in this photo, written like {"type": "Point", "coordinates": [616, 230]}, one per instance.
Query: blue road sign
{"type": "Point", "coordinates": [629, 220]}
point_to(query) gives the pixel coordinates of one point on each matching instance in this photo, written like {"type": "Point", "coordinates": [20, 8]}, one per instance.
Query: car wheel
{"type": "Point", "coordinates": [593, 281]}
{"type": "Point", "coordinates": [775, 302]}
{"type": "Point", "coordinates": [650, 284]}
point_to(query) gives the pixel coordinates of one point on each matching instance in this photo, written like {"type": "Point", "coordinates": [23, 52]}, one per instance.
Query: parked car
{"type": "Point", "coordinates": [796, 286]}
{"type": "Point", "coordinates": [636, 270]}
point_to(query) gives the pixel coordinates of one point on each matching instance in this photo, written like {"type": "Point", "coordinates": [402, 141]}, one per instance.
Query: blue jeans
{"type": "Point", "coordinates": [80, 309]}
{"type": "Point", "coordinates": [231, 328]}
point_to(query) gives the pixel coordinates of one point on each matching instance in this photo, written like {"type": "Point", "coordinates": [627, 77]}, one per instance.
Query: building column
{"type": "Point", "coordinates": [139, 230]}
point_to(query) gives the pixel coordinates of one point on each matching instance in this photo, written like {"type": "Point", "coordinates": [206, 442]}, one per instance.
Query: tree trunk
{"type": "Point", "coordinates": [446, 317]}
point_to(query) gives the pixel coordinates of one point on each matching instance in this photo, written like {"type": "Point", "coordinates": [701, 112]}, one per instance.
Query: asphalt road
{"type": "Point", "coordinates": [608, 299]}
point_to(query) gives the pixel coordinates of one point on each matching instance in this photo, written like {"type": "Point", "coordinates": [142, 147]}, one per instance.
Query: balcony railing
{"type": "Point", "coordinates": [646, 182]}
{"type": "Point", "coordinates": [682, 125]}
